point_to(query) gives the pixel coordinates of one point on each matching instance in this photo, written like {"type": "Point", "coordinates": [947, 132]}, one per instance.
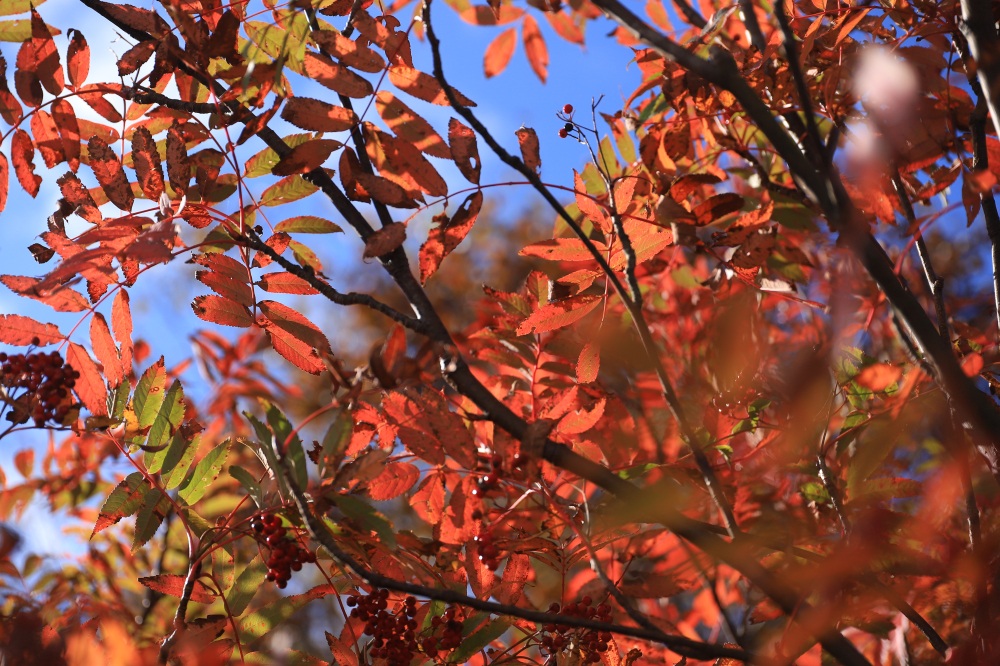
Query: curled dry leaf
{"type": "Point", "coordinates": [385, 240]}
{"type": "Point", "coordinates": [464, 150]}
{"type": "Point", "coordinates": [449, 233]}
{"type": "Point", "coordinates": [110, 174]}
{"type": "Point", "coordinates": [527, 139]}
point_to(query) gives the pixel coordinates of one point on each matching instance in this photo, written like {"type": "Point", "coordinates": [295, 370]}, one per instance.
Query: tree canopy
{"type": "Point", "coordinates": [727, 394]}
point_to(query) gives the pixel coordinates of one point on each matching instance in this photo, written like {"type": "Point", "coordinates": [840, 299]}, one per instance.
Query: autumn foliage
{"type": "Point", "coordinates": [738, 405]}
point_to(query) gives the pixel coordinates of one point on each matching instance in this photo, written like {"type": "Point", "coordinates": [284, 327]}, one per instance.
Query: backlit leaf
{"type": "Point", "coordinates": [558, 315]}
{"type": "Point", "coordinates": [423, 86]}
{"type": "Point", "coordinates": [204, 473]}
{"type": "Point", "coordinates": [464, 150]}
{"type": "Point", "coordinates": [499, 52]}
{"type": "Point", "coordinates": [105, 350]}
{"type": "Point", "coordinates": [534, 47]}
{"type": "Point", "coordinates": [219, 310]}
{"type": "Point", "coordinates": [444, 238]}
{"type": "Point", "coordinates": [407, 125]}
{"type": "Point", "coordinates": [77, 58]}
{"type": "Point", "coordinates": [306, 157]}
{"type": "Point", "coordinates": [123, 501]}
{"type": "Point", "coordinates": [318, 116]}
{"type": "Point", "coordinates": [528, 141]}
{"type": "Point", "coordinates": [173, 585]}
{"type": "Point", "coordinates": [308, 224]}
{"type": "Point", "coordinates": [110, 174]}
{"type": "Point", "coordinates": [22, 154]}
{"type": "Point", "coordinates": [89, 388]}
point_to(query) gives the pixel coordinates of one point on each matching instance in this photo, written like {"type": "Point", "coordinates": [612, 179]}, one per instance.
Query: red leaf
{"type": "Point", "coordinates": [558, 315]}
{"type": "Point", "coordinates": [219, 310]}
{"type": "Point", "coordinates": [429, 428]}
{"type": "Point", "coordinates": [515, 574]}
{"type": "Point", "coordinates": [173, 585]}
{"type": "Point", "coordinates": [305, 157]}
{"type": "Point", "coordinates": [121, 324]}
{"type": "Point", "coordinates": [77, 58]}
{"type": "Point", "coordinates": [589, 363]}
{"type": "Point", "coordinates": [534, 47]}
{"type": "Point", "coordinates": [464, 150]}
{"type": "Point", "coordinates": [295, 324]}
{"type": "Point", "coordinates": [298, 353]}
{"type": "Point", "coordinates": [22, 153]}
{"type": "Point", "coordinates": [110, 174]}
{"type": "Point", "coordinates": [69, 131]}
{"type": "Point", "coordinates": [146, 158]}
{"type": "Point", "coordinates": [19, 330]}
{"type": "Point", "coordinates": [318, 116]}
{"type": "Point", "coordinates": [562, 249]}
{"type": "Point", "coordinates": [879, 376]}
{"type": "Point", "coordinates": [224, 285]}
{"type": "Point", "coordinates": [136, 57]}
{"type": "Point", "coordinates": [565, 27]}
{"type": "Point", "coordinates": [105, 350]}
{"type": "Point", "coordinates": [402, 162]}
{"type": "Point", "coordinates": [178, 166]}
{"type": "Point", "coordinates": [445, 237]}
{"type": "Point", "coordinates": [528, 141]}
{"type": "Point", "coordinates": [223, 264]}
{"type": "Point", "coordinates": [285, 283]}
{"type": "Point", "coordinates": [43, 127]}
{"type": "Point", "coordinates": [396, 478]}
{"type": "Point", "coordinates": [499, 52]}
{"type": "Point", "coordinates": [423, 86]}
{"type": "Point", "coordinates": [349, 52]}
{"type": "Point", "coordinates": [45, 56]}
{"type": "Point", "coordinates": [89, 388]}
{"type": "Point", "coordinates": [60, 299]}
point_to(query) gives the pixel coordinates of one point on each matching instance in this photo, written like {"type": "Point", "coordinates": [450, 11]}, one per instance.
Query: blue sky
{"type": "Point", "coordinates": [160, 300]}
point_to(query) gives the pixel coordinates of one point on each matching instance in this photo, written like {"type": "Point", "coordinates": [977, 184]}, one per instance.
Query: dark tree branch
{"type": "Point", "coordinates": [690, 14]}
{"type": "Point", "coordinates": [980, 32]}
{"type": "Point", "coordinates": [802, 88]}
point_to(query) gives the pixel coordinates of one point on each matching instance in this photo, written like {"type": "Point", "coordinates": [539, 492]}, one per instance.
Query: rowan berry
{"type": "Point", "coordinates": [567, 109]}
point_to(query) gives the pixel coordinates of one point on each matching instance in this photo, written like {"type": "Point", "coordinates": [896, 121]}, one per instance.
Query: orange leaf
{"type": "Point", "coordinates": [349, 51]}
{"type": "Point", "coordinates": [589, 363]}
{"type": "Point", "coordinates": [972, 364]}
{"type": "Point", "coordinates": [294, 350]}
{"type": "Point", "coordinates": [565, 26]}
{"type": "Point", "coordinates": [581, 421]}
{"type": "Point", "coordinates": [89, 388]}
{"type": "Point", "coordinates": [528, 141]}
{"type": "Point", "coordinates": [534, 47]}
{"type": "Point", "coordinates": [318, 116]}
{"type": "Point", "coordinates": [423, 86]}
{"type": "Point", "coordinates": [60, 299]}
{"type": "Point", "coordinates": [499, 52]}
{"type": "Point", "coordinates": [481, 15]}
{"type": "Point", "coordinates": [45, 56]}
{"type": "Point", "coordinates": [78, 196]}
{"type": "Point", "coordinates": [305, 157]}
{"type": "Point", "coordinates": [401, 162]}
{"type": "Point", "coordinates": [558, 315]}
{"type": "Point", "coordinates": [879, 377]}
{"type": "Point", "coordinates": [4, 181]}
{"type": "Point", "coordinates": [110, 174]}
{"type": "Point", "coordinates": [19, 330]}
{"type": "Point", "coordinates": [121, 325]}
{"type": "Point", "coordinates": [396, 478]}
{"type": "Point", "coordinates": [105, 350]}
{"type": "Point", "coordinates": [562, 249]}
{"type": "Point", "coordinates": [407, 125]}
{"type": "Point", "coordinates": [445, 237]}
{"type": "Point", "coordinates": [336, 77]}
{"type": "Point", "coordinates": [592, 210]}
{"type": "Point", "coordinates": [219, 310]}
{"type": "Point", "coordinates": [135, 57]}
{"type": "Point", "coordinates": [43, 127]}
{"type": "Point", "coordinates": [428, 500]}
{"type": "Point", "coordinates": [223, 264]}
{"type": "Point", "coordinates": [464, 150]}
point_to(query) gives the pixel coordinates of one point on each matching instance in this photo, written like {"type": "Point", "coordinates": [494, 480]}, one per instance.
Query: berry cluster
{"type": "Point", "coordinates": [393, 635]}
{"type": "Point", "coordinates": [38, 386]}
{"type": "Point", "coordinates": [591, 644]}
{"type": "Point", "coordinates": [451, 633]}
{"type": "Point", "coordinates": [566, 129]}
{"type": "Point", "coordinates": [487, 549]}
{"type": "Point", "coordinates": [287, 554]}
{"type": "Point", "coordinates": [491, 479]}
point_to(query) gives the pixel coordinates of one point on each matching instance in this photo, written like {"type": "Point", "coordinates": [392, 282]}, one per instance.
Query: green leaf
{"type": "Point", "coordinates": [249, 483]}
{"type": "Point", "coordinates": [246, 586]}
{"type": "Point", "coordinates": [286, 190]}
{"type": "Point", "coordinates": [478, 640]}
{"type": "Point", "coordinates": [10, 7]}
{"type": "Point", "coordinates": [262, 163]}
{"type": "Point", "coordinates": [123, 501]}
{"type": "Point", "coordinates": [18, 30]}
{"type": "Point", "coordinates": [204, 473]}
{"type": "Point", "coordinates": [154, 507]}
{"type": "Point", "coordinates": [308, 224]}
{"type": "Point", "coordinates": [262, 621]}
{"type": "Point", "coordinates": [265, 446]}
{"type": "Point", "coordinates": [167, 420]}
{"type": "Point", "coordinates": [336, 439]}
{"type": "Point", "coordinates": [178, 460]}
{"type": "Point", "coordinates": [224, 567]}
{"type": "Point", "coordinates": [149, 394]}
{"type": "Point", "coordinates": [365, 515]}
{"type": "Point", "coordinates": [118, 401]}
{"type": "Point", "coordinates": [658, 105]}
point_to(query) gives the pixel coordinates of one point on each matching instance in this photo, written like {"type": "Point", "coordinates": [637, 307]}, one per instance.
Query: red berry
{"type": "Point", "coordinates": [568, 109]}
{"type": "Point", "coordinates": [563, 133]}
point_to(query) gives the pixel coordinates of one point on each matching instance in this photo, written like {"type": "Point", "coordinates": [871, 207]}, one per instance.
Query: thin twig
{"type": "Point", "coordinates": [801, 87]}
